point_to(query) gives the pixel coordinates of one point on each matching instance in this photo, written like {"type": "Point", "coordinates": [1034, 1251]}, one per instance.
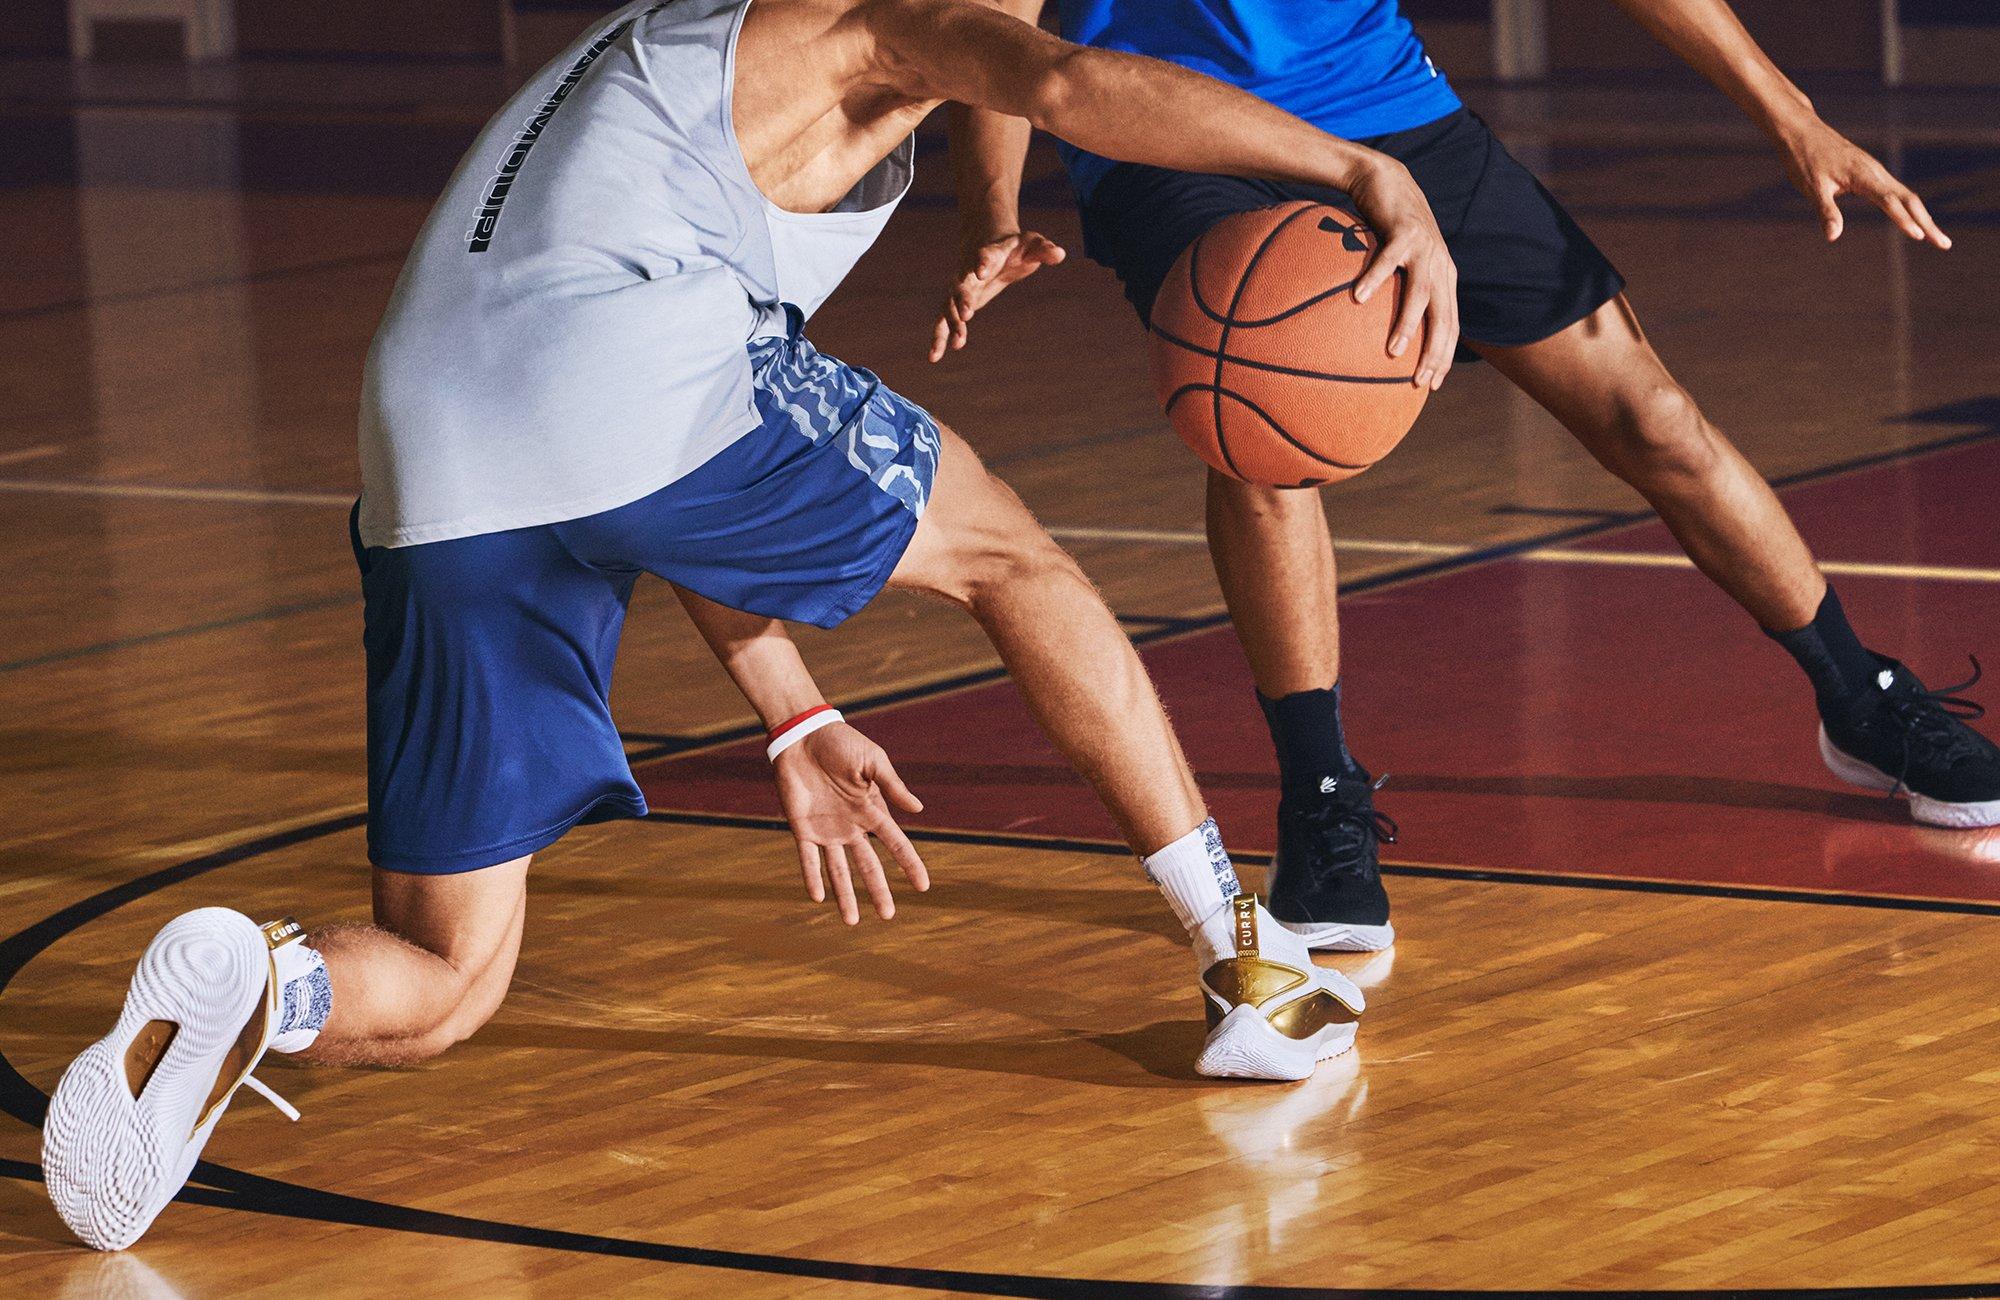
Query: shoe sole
{"type": "Point", "coordinates": [1244, 1046]}
{"type": "Point", "coordinates": [1337, 936]}
{"type": "Point", "coordinates": [113, 1161]}
{"type": "Point", "coordinates": [1923, 808]}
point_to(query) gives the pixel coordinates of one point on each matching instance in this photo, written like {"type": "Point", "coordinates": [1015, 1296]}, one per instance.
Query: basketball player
{"type": "Point", "coordinates": [1537, 300]}
{"type": "Point", "coordinates": [593, 367]}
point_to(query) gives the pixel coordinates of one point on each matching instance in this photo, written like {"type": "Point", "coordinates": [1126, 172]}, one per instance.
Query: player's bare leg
{"type": "Point", "coordinates": [981, 549]}
{"type": "Point", "coordinates": [1880, 726]}
{"type": "Point", "coordinates": [431, 970]}
{"type": "Point", "coordinates": [1603, 380]}
{"type": "Point", "coordinates": [1273, 555]}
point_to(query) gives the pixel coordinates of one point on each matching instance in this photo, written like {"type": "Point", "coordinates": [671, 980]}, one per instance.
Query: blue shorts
{"type": "Point", "coordinates": [489, 658]}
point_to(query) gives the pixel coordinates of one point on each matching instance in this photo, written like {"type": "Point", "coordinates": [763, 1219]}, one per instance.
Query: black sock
{"type": "Point", "coordinates": [1841, 668]}
{"type": "Point", "coordinates": [1305, 727]}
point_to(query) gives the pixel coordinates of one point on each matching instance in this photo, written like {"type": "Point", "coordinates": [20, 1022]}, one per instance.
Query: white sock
{"type": "Point", "coordinates": [305, 996]}
{"type": "Point", "coordinates": [1195, 874]}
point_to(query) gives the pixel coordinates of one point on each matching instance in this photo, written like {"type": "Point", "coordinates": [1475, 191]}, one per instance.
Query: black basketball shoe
{"type": "Point", "coordinates": [1910, 740]}
{"type": "Point", "coordinates": [1325, 883]}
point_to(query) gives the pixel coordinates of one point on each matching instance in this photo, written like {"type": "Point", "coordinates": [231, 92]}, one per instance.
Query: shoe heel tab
{"type": "Point", "coordinates": [1243, 924]}
{"type": "Point", "coordinates": [281, 932]}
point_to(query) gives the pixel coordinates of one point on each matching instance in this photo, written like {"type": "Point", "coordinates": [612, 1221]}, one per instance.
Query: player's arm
{"type": "Point", "coordinates": [1822, 162]}
{"type": "Point", "coordinates": [1144, 110]}
{"type": "Point", "coordinates": [833, 783]}
{"type": "Point", "coordinates": [989, 151]}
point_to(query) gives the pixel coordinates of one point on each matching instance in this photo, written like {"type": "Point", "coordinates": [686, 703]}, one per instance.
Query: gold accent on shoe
{"type": "Point", "coordinates": [1237, 980]}
{"type": "Point", "coordinates": [1250, 979]}
{"type": "Point", "coordinates": [145, 1052]}
{"type": "Point", "coordinates": [243, 1055]}
{"type": "Point", "coordinates": [1306, 1016]}
{"type": "Point", "coordinates": [281, 932]}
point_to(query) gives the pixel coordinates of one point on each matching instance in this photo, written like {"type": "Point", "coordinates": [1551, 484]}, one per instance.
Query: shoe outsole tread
{"type": "Point", "coordinates": [112, 1160]}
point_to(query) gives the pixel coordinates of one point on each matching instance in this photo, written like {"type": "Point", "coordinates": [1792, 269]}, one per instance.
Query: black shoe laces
{"type": "Point", "coordinates": [1363, 828]}
{"type": "Point", "coordinates": [1933, 723]}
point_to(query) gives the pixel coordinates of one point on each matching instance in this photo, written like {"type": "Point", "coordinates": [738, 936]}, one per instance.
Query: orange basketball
{"type": "Point", "coordinates": [1266, 365]}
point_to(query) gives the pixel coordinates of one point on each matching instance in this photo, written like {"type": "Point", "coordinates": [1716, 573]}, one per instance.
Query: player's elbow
{"type": "Point", "coordinates": [1053, 89]}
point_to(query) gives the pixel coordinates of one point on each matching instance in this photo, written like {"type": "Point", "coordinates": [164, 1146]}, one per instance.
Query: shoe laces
{"type": "Point", "coordinates": [285, 1108]}
{"type": "Point", "coordinates": [1366, 825]}
{"type": "Point", "coordinates": [1933, 722]}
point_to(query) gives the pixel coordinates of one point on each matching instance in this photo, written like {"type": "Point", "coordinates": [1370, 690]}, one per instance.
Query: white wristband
{"type": "Point", "coordinates": [784, 740]}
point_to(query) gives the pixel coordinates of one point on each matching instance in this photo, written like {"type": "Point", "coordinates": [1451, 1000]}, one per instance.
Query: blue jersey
{"type": "Point", "coordinates": [1353, 68]}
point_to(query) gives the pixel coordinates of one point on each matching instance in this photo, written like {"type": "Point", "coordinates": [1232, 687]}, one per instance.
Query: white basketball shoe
{"type": "Point", "coordinates": [1272, 1014]}
{"type": "Point", "coordinates": [133, 1112]}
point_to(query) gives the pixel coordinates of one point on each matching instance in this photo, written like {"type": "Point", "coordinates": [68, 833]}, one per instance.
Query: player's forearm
{"type": "Point", "coordinates": [1708, 36]}
{"type": "Point", "coordinates": [759, 656]}
{"type": "Point", "coordinates": [988, 153]}
{"type": "Point", "coordinates": [1144, 110]}
{"type": "Point", "coordinates": [1122, 106]}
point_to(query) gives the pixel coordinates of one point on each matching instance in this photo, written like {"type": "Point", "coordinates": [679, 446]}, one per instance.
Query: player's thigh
{"type": "Point", "coordinates": [1597, 375]}
{"type": "Point", "coordinates": [974, 531]}
{"type": "Point", "coordinates": [471, 919]}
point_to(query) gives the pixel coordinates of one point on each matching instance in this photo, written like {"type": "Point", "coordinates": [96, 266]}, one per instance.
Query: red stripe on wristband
{"type": "Point", "coordinates": [789, 723]}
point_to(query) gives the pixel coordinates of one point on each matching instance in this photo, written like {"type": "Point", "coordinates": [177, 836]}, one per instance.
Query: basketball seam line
{"type": "Point", "coordinates": [1286, 314]}
{"type": "Point", "coordinates": [1215, 412]}
{"type": "Point", "coordinates": [1194, 283]}
{"type": "Point", "coordinates": [1276, 369]}
{"type": "Point", "coordinates": [1276, 428]}
{"type": "Point", "coordinates": [1222, 343]}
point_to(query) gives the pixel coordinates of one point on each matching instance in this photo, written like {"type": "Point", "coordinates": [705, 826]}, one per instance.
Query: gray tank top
{"type": "Point", "coordinates": [568, 333]}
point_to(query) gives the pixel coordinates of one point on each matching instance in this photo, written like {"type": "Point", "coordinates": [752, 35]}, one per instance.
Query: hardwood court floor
{"type": "Point", "coordinates": [700, 1084]}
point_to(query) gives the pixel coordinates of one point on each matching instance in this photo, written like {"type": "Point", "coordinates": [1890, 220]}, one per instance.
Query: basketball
{"type": "Point", "coordinates": [1266, 364]}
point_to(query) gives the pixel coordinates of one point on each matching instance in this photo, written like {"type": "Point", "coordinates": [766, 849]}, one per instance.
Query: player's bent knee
{"type": "Point", "coordinates": [977, 539]}
{"type": "Point", "coordinates": [1661, 432]}
{"type": "Point", "coordinates": [1033, 560]}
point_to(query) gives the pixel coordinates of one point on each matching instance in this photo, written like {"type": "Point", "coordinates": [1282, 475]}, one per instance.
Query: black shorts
{"type": "Point", "coordinates": [1526, 270]}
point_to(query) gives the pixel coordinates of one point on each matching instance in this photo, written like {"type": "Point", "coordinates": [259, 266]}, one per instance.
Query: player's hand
{"type": "Point", "coordinates": [1388, 198]}
{"type": "Point", "coordinates": [1824, 164]}
{"type": "Point", "coordinates": [836, 786]}
{"type": "Point", "coordinates": [986, 265]}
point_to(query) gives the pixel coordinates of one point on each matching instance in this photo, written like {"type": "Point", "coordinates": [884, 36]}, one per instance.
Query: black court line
{"type": "Point", "coordinates": [227, 1188]}
{"type": "Point", "coordinates": [236, 1189]}
{"type": "Point", "coordinates": [1416, 870]}
{"type": "Point", "coordinates": [171, 633]}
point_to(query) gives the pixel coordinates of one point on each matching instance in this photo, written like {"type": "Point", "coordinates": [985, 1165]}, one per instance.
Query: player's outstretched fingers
{"type": "Point", "coordinates": [1829, 209]}
{"type": "Point", "coordinates": [905, 853]}
{"type": "Point", "coordinates": [843, 884]}
{"type": "Point", "coordinates": [873, 878]}
{"type": "Point", "coordinates": [810, 869]}
{"type": "Point", "coordinates": [1915, 219]}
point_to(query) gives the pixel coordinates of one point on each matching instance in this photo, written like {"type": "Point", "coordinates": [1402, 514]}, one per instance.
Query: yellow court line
{"type": "Point", "coordinates": [1187, 537]}
{"type": "Point", "coordinates": [1360, 545]}
{"type": "Point", "coordinates": [1853, 568]}
{"type": "Point", "coordinates": [164, 492]}
{"type": "Point", "coordinates": [37, 452]}
{"type": "Point", "coordinates": [1546, 554]}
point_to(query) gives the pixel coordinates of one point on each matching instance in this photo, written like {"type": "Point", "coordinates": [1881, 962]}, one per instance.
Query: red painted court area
{"type": "Point", "coordinates": [1539, 715]}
